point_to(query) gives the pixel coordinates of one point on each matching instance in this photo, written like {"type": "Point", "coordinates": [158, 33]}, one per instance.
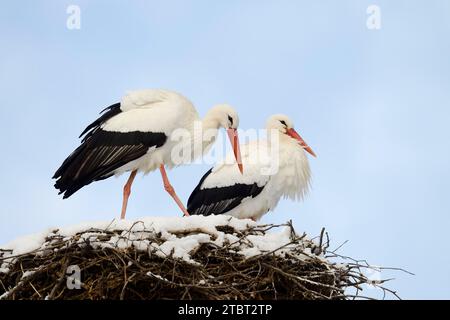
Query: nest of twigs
{"type": "Point", "coordinates": [299, 269]}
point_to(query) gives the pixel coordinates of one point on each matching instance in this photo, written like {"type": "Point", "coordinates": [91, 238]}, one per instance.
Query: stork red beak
{"type": "Point", "coordinates": [234, 139]}
{"type": "Point", "coordinates": [292, 133]}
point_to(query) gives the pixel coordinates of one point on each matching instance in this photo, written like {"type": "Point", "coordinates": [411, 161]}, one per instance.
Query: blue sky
{"type": "Point", "coordinates": [373, 104]}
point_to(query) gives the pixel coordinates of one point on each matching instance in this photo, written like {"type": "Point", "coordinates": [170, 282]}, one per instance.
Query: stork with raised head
{"type": "Point", "coordinates": [223, 190]}
{"type": "Point", "coordinates": [135, 136]}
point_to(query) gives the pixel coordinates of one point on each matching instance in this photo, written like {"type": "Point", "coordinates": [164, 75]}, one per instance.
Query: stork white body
{"type": "Point", "coordinates": [223, 190]}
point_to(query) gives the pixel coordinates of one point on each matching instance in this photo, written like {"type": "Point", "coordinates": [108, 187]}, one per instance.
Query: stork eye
{"type": "Point", "coordinates": [230, 119]}
{"type": "Point", "coordinates": [283, 123]}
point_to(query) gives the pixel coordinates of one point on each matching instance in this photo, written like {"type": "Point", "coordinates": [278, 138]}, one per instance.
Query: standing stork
{"type": "Point", "coordinates": [222, 190]}
{"type": "Point", "coordinates": [134, 136]}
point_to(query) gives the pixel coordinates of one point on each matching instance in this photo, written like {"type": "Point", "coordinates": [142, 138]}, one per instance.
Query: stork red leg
{"type": "Point", "coordinates": [126, 193]}
{"type": "Point", "coordinates": [171, 190]}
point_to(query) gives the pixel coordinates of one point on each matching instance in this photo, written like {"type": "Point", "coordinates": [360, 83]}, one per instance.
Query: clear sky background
{"type": "Point", "coordinates": [373, 104]}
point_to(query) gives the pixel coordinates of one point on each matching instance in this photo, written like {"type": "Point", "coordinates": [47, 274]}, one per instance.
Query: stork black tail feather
{"type": "Point", "coordinates": [66, 182]}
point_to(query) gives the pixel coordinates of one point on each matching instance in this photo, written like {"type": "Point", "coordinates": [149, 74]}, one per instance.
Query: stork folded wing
{"type": "Point", "coordinates": [101, 154]}
{"type": "Point", "coordinates": [219, 200]}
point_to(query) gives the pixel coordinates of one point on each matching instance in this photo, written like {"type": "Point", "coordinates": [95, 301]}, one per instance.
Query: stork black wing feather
{"type": "Point", "coordinates": [111, 111]}
{"type": "Point", "coordinates": [100, 155]}
{"type": "Point", "coordinates": [219, 200]}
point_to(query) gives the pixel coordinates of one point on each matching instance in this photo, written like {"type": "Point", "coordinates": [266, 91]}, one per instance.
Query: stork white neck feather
{"type": "Point", "coordinates": [219, 116]}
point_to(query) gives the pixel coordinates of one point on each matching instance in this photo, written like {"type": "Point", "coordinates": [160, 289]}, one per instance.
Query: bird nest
{"type": "Point", "coordinates": [229, 262]}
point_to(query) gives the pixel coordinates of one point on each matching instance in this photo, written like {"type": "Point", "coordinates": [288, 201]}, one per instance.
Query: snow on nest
{"type": "Point", "coordinates": [177, 236]}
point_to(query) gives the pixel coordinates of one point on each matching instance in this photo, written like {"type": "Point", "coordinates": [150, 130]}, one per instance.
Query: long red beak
{"type": "Point", "coordinates": [234, 139]}
{"type": "Point", "coordinates": [292, 133]}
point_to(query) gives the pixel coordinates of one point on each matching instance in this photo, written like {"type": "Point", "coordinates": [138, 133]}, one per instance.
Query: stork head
{"type": "Point", "coordinates": [285, 127]}
{"type": "Point", "coordinates": [226, 117]}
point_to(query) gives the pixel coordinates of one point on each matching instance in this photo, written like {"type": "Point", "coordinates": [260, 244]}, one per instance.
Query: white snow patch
{"type": "Point", "coordinates": [28, 273]}
{"type": "Point", "coordinates": [181, 247]}
{"type": "Point", "coordinates": [27, 243]}
{"type": "Point", "coordinates": [4, 269]}
{"type": "Point", "coordinates": [151, 274]}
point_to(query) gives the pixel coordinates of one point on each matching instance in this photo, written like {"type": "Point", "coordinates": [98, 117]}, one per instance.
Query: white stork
{"type": "Point", "coordinates": [134, 135]}
{"type": "Point", "coordinates": [222, 190]}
